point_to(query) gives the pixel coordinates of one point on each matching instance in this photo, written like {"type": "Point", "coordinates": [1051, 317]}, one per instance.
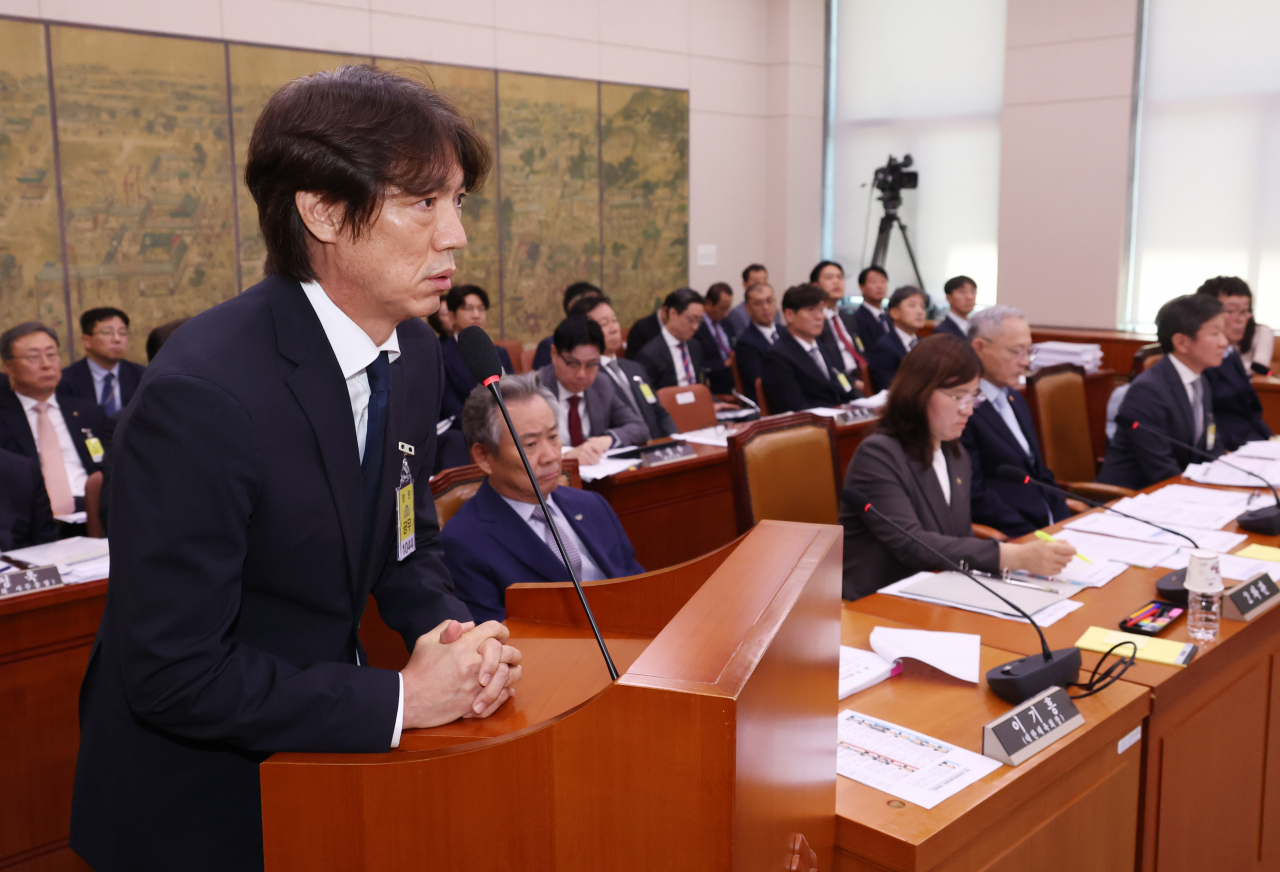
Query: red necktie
{"type": "Point", "coordinates": [575, 423]}
{"type": "Point", "coordinates": [843, 336]}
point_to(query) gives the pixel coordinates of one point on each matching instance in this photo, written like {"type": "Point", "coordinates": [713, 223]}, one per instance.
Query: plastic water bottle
{"type": "Point", "coordinates": [1204, 597]}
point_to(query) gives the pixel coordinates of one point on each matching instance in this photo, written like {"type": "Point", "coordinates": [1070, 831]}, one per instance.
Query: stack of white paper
{"type": "Point", "coordinates": [876, 401]}
{"type": "Point", "coordinates": [1101, 549]}
{"type": "Point", "coordinates": [957, 654]}
{"type": "Point", "coordinates": [1108, 524]}
{"type": "Point", "coordinates": [861, 669]}
{"type": "Point", "coordinates": [78, 559]}
{"type": "Point", "coordinates": [1169, 512]}
{"type": "Point", "coordinates": [605, 467]}
{"type": "Point", "coordinates": [716, 437]}
{"type": "Point", "coordinates": [1088, 574]}
{"type": "Point", "coordinates": [959, 592]}
{"type": "Point", "coordinates": [1085, 354]}
{"type": "Point", "coordinates": [1269, 450]}
{"type": "Point", "coordinates": [1221, 474]}
{"type": "Point", "coordinates": [1233, 568]}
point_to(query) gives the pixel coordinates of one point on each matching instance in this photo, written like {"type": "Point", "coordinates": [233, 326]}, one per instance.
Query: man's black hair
{"type": "Point", "coordinates": [755, 267]}
{"type": "Point", "coordinates": [816, 272]}
{"type": "Point", "coordinates": [457, 296]}
{"type": "Point", "coordinates": [93, 317]}
{"type": "Point", "coordinates": [575, 332]}
{"type": "Point", "coordinates": [901, 295]}
{"type": "Point", "coordinates": [1185, 315]}
{"type": "Point", "coordinates": [956, 284]}
{"type": "Point", "coordinates": [803, 297]}
{"type": "Point", "coordinates": [862, 276]}
{"type": "Point", "coordinates": [682, 299]}
{"type": "Point", "coordinates": [579, 289]}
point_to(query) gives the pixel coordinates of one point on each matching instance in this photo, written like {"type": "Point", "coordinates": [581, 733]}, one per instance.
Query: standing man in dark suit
{"type": "Point", "coordinates": [257, 486]}
{"type": "Point", "coordinates": [593, 417]}
{"type": "Point", "coordinates": [799, 371]}
{"type": "Point", "coordinates": [1001, 431]}
{"type": "Point", "coordinates": [718, 338]}
{"type": "Point", "coordinates": [962, 296]}
{"type": "Point", "coordinates": [1172, 397]}
{"type": "Point", "coordinates": [103, 375]}
{"type": "Point", "coordinates": [629, 377]}
{"type": "Point", "coordinates": [872, 323]}
{"type": "Point", "coordinates": [68, 437]}
{"type": "Point", "coordinates": [25, 516]}
{"type": "Point", "coordinates": [500, 537]}
{"type": "Point", "coordinates": [758, 337]}
{"type": "Point", "coordinates": [573, 293]}
{"type": "Point", "coordinates": [907, 309]}
{"type": "Point", "coordinates": [841, 331]}
{"type": "Point", "coordinates": [671, 358]}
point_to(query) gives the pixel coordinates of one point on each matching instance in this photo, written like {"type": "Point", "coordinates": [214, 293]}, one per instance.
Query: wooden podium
{"type": "Point", "coordinates": [714, 750]}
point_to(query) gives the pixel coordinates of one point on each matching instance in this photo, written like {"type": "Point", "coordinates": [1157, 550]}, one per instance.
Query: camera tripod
{"type": "Point", "coordinates": [892, 200]}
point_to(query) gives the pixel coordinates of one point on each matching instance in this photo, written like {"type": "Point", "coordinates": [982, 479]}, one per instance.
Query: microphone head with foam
{"type": "Point", "coordinates": [1010, 473]}
{"type": "Point", "coordinates": [856, 498]}
{"type": "Point", "coordinates": [1260, 369]}
{"type": "Point", "coordinates": [479, 354]}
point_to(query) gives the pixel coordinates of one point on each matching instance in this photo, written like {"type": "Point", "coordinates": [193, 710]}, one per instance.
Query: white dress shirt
{"type": "Point", "coordinates": [562, 413]}
{"type": "Point", "coordinates": [99, 376]}
{"type": "Point", "coordinates": [590, 572]}
{"type": "Point", "coordinates": [999, 400]}
{"type": "Point", "coordinates": [673, 346]}
{"type": "Point", "coordinates": [76, 474]}
{"type": "Point", "coordinates": [962, 323]}
{"type": "Point", "coordinates": [907, 338]}
{"type": "Point", "coordinates": [837, 327]}
{"type": "Point", "coordinates": [355, 351]}
{"type": "Point", "coordinates": [940, 470]}
{"type": "Point", "coordinates": [770, 333]}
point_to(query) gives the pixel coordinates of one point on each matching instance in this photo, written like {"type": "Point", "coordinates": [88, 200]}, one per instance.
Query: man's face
{"type": "Point", "coordinates": [806, 323]}
{"type": "Point", "coordinates": [36, 367]}
{"type": "Point", "coordinates": [108, 341]}
{"type": "Point", "coordinates": [604, 315]}
{"type": "Point", "coordinates": [962, 299]}
{"type": "Point", "coordinates": [875, 289]}
{"type": "Point", "coordinates": [539, 433]}
{"type": "Point", "coordinates": [756, 275]}
{"type": "Point", "coordinates": [471, 313]}
{"type": "Point", "coordinates": [721, 308]}
{"type": "Point", "coordinates": [682, 325]}
{"type": "Point", "coordinates": [831, 280]}
{"type": "Point", "coordinates": [577, 369]}
{"type": "Point", "coordinates": [1208, 346]}
{"type": "Point", "coordinates": [909, 314]}
{"type": "Point", "coordinates": [762, 306]}
{"type": "Point", "coordinates": [1007, 355]}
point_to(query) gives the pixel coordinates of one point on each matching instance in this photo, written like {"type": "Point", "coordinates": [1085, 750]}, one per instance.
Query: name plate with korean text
{"type": "Point", "coordinates": [1029, 728]}
{"type": "Point", "coordinates": [26, 580]}
{"type": "Point", "coordinates": [1246, 601]}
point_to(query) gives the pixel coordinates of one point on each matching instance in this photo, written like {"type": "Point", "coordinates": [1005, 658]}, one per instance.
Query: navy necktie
{"type": "Point", "coordinates": [379, 374]}
{"type": "Point", "coordinates": [108, 399]}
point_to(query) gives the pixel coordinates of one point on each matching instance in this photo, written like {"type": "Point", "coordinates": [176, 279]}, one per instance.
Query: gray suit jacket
{"type": "Point", "coordinates": [877, 554]}
{"type": "Point", "coordinates": [607, 411]}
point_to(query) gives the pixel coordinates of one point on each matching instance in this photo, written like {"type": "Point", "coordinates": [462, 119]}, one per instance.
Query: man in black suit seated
{"type": "Point", "coordinates": [800, 372]}
{"type": "Point", "coordinates": [907, 309]}
{"type": "Point", "coordinates": [871, 322]}
{"type": "Point", "coordinates": [671, 358]}
{"type": "Point", "coordinates": [962, 296]}
{"type": "Point", "coordinates": [1172, 397]}
{"type": "Point", "coordinates": [259, 474]}
{"type": "Point", "coordinates": [593, 417]}
{"type": "Point", "coordinates": [718, 338]}
{"type": "Point", "coordinates": [629, 377]}
{"type": "Point", "coordinates": [573, 293]}
{"type": "Point", "coordinates": [1001, 430]}
{"type": "Point", "coordinates": [841, 332]}
{"type": "Point", "coordinates": [740, 317]}
{"type": "Point", "coordinates": [25, 516]}
{"type": "Point", "coordinates": [68, 437]}
{"type": "Point", "coordinates": [103, 375]}
{"type": "Point", "coordinates": [1237, 410]}
{"type": "Point", "coordinates": [759, 336]}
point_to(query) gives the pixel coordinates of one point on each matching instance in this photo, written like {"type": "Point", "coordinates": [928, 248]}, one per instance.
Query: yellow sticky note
{"type": "Point", "coordinates": [1260, 552]}
{"type": "Point", "coordinates": [1164, 651]}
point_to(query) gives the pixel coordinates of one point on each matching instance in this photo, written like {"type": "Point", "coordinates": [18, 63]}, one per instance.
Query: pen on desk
{"type": "Point", "coordinates": [1015, 581]}
{"type": "Point", "coordinates": [1045, 537]}
{"type": "Point", "coordinates": [1253, 496]}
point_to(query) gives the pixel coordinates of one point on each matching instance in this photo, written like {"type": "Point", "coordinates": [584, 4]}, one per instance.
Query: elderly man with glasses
{"type": "Point", "coordinates": [1001, 431]}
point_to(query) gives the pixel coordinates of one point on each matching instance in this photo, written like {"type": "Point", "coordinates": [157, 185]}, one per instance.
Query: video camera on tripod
{"type": "Point", "coordinates": [893, 176]}
{"type": "Point", "coordinates": [890, 180]}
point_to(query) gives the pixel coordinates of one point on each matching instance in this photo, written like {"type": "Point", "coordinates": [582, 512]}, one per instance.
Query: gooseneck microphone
{"type": "Point", "coordinates": [1007, 472]}
{"type": "Point", "coordinates": [481, 359]}
{"type": "Point", "coordinates": [1260, 369]}
{"type": "Point", "coordinates": [1265, 522]}
{"type": "Point", "coordinates": [1021, 679]}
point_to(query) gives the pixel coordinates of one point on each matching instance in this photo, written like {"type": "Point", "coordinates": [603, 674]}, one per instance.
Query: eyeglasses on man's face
{"type": "Point", "coordinates": [35, 358]}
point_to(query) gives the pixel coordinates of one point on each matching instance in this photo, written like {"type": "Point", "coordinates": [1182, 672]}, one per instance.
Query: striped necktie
{"type": "Point", "coordinates": [688, 367]}
{"type": "Point", "coordinates": [575, 558]}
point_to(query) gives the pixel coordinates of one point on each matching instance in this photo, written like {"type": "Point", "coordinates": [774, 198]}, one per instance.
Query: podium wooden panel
{"type": "Point", "coordinates": [715, 750]}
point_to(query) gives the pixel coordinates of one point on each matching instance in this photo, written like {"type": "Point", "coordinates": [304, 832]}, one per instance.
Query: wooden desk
{"type": "Point", "coordinates": [1213, 737]}
{"type": "Point", "coordinates": [45, 638]}
{"type": "Point", "coordinates": [1078, 792]}
{"type": "Point", "coordinates": [1118, 346]}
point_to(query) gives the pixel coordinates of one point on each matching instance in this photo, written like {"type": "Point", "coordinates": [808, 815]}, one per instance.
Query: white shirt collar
{"type": "Point", "coordinates": [805, 344]}
{"type": "Point", "coordinates": [963, 322]}
{"type": "Point", "coordinates": [904, 336]}
{"type": "Point", "coordinates": [671, 341]}
{"type": "Point", "coordinates": [563, 393]}
{"type": "Point", "coordinates": [994, 392]}
{"type": "Point", "coordinates": [1188, 377]}
{"type": "Point", "coordinates": [525, 510]}
{"type": "Point", "coordinates": [351, 345]}
{"type": "Point", "coordinates": [28, 403]}
{"type": "Point", "coordinates": [767, 332]}
{"type": "Point", "coordinates": [101, 372]}
{"type": "Point", "coordinates": [873, 310]}
{"type": "Point", "coordinates": [605, 360]}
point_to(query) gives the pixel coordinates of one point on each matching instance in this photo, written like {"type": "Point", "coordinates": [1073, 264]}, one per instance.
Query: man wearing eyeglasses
{"type": "Point", "coordinates": [593, 417]}
{"type": "Point", "coordinates": [1001, 431]}
{"type": "Point", "coordinates": [670, 358]}
{"type": "Point", "coordinates": [103, 375]}
{"type": "Point", "coordinates": [66, 435]}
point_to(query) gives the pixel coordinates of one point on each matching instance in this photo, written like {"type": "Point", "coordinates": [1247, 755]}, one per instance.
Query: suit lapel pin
{"type": "Point", "coordinates": [577, 517]}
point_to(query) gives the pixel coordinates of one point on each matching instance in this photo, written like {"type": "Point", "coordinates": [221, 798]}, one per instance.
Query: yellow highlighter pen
{"type": "Point", "coordinates": [1041, 534]}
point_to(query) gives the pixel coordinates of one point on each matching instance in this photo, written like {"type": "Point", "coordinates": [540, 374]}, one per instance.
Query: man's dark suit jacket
{"type": "Point", "coordinates": [792, 382]}
{"type": "Point", "coordinates": [641, 333]}
{"type": "Point", "coordinates": [608, 412]}
{"type": "Point", "coordinates": [77, 381]}
{"type": "Point", "coordinates": [875, 552]}
{"type": "Point", "coordinates": [719, 376]}
{"type": "Point", "coordinates": [656, 359]}
{"type": "Point", "coordinates": [25, 516]}
{"type": "Point", "coordinates": [542, 354]}
{"type": "Point", "coordinates": [1157, 400]}
{"type": "Point", "coordinates": [869, 327]}
{"type": "Point", "coordinates": [237, 583]}
{"type": "Point", "coordinates": [749, 355]}
{"type": "Point", "coordinates": [458, 380]}
{"type": "Point", "coordinates": [656, 418]}
{"type": "Point", "coordinates": [487, 546]}
{"type": "Point", "coordinates": [944, 324]}
{"type": "Point", "coordinates": [79, 415]}
{"type": "Point", "coordinates": [1236, 408]}
{"type": "Point", "coordinates": [884, 358]}
{"type": "Point", "coordinates": [1013, 509]}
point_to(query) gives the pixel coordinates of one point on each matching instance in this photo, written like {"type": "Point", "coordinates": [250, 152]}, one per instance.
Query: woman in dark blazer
{"type": "Point", "coordinates": [901, 468]}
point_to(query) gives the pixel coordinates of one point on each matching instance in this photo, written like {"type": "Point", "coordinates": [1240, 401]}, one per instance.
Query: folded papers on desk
{"type": "Point", "coordinates": [955, 590]}
{"type": "Point", "coordinates": [1108, 524]}
{"type": "Point", "coordinates": [1165, 651]}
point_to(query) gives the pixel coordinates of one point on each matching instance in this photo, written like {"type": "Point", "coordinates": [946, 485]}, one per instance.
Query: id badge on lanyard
{"type": "Point", "coordinates": [406, 540]}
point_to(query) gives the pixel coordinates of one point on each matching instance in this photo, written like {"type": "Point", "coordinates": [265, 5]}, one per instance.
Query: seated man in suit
{"type": "Point", "coordinates": [671, 358]}
{"type": "Point", "coordinates": [841, 332]}
{"type": "Point", "coordinates": [758, 337]}
{"type": "Point", "coordinates": [628, 376]}
{"type": "Point", "coordinates": [103, 375]}
{"type": "Point", "coordinates": [1001, 430]}
{"type": "Point", "coordinates": [593, 417]}
{"type": "Point", "coordinates": [907, 310]}
{"type": "Point", "coordinates": [872, 323]}
{"type": "Point", "coordinates": [65, 435]}
{"type": "Point", "coordinates": [1172, 397]}
{"type": "Point", "coordinates": [468, 306]}
{"type": "Point", "coordinates": [573, 293]}
{"type": "Point", "coordinates": [500, 536]}
{"type": "Point", "coordinates": [25, 516]}
{"type": "Point", "coordinates": [799, 371]}
{"type": "Point", "coordinates": [962, 296]}
{"type": "Point", "coordinates": [740, 317]}
{"type": "Point", "coordinates": [1237, 410]}
{"type": "Point", "coordinates": [718, 338]}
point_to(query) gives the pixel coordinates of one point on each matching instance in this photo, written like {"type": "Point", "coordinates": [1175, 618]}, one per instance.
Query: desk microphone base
{"type": "Point", "coordinates": [1020, 680]}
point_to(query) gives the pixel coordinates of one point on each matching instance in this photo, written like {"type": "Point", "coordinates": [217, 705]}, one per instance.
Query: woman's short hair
{"type": "Point", "coordinates": [349, 135]}
{"type": "Point", "coordinates": [1233, 286]}
{"type": "Point", "coordinates": [940, 361]}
